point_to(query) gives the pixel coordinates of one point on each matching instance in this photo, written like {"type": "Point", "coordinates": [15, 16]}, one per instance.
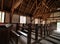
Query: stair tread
{"type": "Point", "coordinates": [45, 42]}
{"type": "Point", "coordinates": [54, 36]}
{"type": "Point", "coordinates": [53, 40]}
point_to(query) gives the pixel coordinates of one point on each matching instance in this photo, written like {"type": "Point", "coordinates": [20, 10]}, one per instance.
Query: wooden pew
{"type": "Point", "coordinates": [4, 34]}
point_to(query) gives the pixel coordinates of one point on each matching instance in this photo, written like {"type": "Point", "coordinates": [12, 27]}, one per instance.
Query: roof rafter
{"type": "Point", "coordinates": [15, 5]}
{"type": "Point", "coordinates": [27, 6]}
{"type": "Point", "coordinates": [32, 7]}
{"type": "Point", "coordinates": [36, 8]}
{"type": "Point", "coordinates": [2, 4]}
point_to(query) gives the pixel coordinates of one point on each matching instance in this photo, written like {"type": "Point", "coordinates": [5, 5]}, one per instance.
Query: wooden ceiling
{"type": "Point", "coordinates": [35, 8]}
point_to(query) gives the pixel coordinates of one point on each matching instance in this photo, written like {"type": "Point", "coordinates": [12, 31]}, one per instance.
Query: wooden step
{"type": "Point", "coordinates": [45, 42]}
{"type": "Point", "coordinates": [25, 34]}
{"type": "Point", "coordinates": [23, 40]}
{"type": "Point", "coordinates": [54, 37]}
{"type": "Point", "coordinates": [52, 40]}
{"type": "Point", "coordinates": [57, 35]}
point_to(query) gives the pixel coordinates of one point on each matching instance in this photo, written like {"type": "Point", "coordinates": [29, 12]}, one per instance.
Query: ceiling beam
{"type": "Point", "coordinates": [37, 8]}
{"type": "Point", "coordinates": [36, 3]}
{"type": "Point", "coordinates": [39, 12]}
{"type": "Point", "coordinates": [54, 11]}
{"type": "Point", "coordinates": [44, 13]}
{"type": "Point", "coordinates": [20, 6]}
{"type": "Point", "coordinates": [27, 6]}
{"type": "Point", "coordinates": [54, 17]}
{"type": "Point", "coordinates": [51, 4]}
{"type": "Point", "coordinates": [2, 4]}
{"type": "Point", "coordinates": [15, 5]}
{"type": "Point", "coordinates": [32, 6]}
{"type": "Point", "coordinates": [45, 5]}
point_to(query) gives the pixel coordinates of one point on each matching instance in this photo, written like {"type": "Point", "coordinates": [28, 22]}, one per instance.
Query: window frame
{"type": "Point", "coordinates": [25, 19]}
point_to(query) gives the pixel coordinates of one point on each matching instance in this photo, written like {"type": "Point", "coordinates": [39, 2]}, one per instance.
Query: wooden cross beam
{"type": "Point", "coordinates": [2, 4]}
{"type": "Point", "coordinates": [38, 12]}
{"type": "Point", "coordinates": [36, 8]}
{"type": "Point", "coordinates": [15, 5]}
{"type": "Point", "coordinates": [36, 3]}
{"type": "Point", "coordinates": [27, 6]}
{"type": "Point", "coordinates": [32, 6]}
{"type": "Point", "coordinates": [45, 5]}
{"type": "Point", "coordinates": [41, 6]}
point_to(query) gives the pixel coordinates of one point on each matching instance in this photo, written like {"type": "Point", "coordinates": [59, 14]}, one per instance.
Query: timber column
{"type": "Point", "coordinates": [29, 31]}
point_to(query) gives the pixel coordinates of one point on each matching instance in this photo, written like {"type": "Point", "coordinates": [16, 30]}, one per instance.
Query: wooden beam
{"type": "Point", "coordinates": [45, 16]}
{"type": "Point", "coordinates": [27, 6]}
{"type": "Point", "coordinates": [37, 8]}
{"type": "Point", "coordinates": [38, 12]}
{"type": "Point", "coordinates": [21, 6]}
{"type": "Point", "coordinates": [32, 7]}
{"type": "Point", "coordinates": [48, 1]}
{"type": "Point", "coordinates": [29, 31]}
{"type": "Point", "coordinates": [36, 33]}
{"type": "Point", "coordinates": [2, 4]}
{"type": "Point", "coordinates": [36, 3]}
{"type": "Point", "coordinates": [55, 17]}
{"type": "Point", "coordinates": [51, 3]}
{"type": "Point", "coordinates": [54, 11]}
{"type": "Point", "coordinates": [45, 5]}
{"type": "Point", "coordinates": [41, 9]}
{"type": "Point", "coordinates": [44, 0]}
{"type": "Point", "coordinates": [16, 4]}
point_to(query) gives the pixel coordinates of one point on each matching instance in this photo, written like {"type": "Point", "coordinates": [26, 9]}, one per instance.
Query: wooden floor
{"type": "Point", "coordinates": [52, 39]}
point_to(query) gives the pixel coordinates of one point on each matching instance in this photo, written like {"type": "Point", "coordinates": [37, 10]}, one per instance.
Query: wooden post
{"type": "Point", "coordinates": [36, 32]}
{"type": "Point", "coordinates": [45, 29]}
{"type": "Point", "coordinates": [29, 32]}
{"type": "Point", "coordinates": [17, 40]}
{"type": "Point", "coordinates": [40, 28]}
{"type": "Point", "coordinates": [17, 26]}
{"type": "Point", "coordinates": [2, 4]}
{"type": "Point", "coordinates": [11, 14]}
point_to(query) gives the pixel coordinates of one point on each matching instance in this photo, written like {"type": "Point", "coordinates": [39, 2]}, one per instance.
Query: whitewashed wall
{"type": "Point", "coordinates": [15, 18]}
